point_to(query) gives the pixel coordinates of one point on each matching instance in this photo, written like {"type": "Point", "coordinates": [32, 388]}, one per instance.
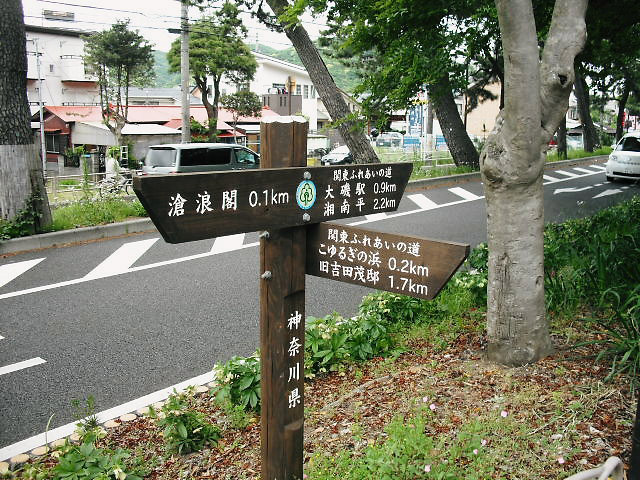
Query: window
{"type": "Point", "coordinates": [52, 143]}
{"type": "Point", "coordinates": [245, 157]}
{"type": "Point", "coordinates": [51, 68]}
{"type": "Point", "coordinates": [313, 91]}
{"type": "Point", "coordinates": [306, 92]}
{"type": "Point", "coordinates": [629, 144]}
{"type": "Point", "coordinates": [298, 89]}
{"type": "Point", "coordinates": [205, 156]}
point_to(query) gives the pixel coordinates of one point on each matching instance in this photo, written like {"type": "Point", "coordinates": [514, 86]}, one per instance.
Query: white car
{"type": "Point", "coordinates": [624, 161]}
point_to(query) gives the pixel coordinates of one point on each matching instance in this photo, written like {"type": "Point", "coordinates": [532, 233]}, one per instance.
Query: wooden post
{"type": "Point", "coordinates": [282, 299]}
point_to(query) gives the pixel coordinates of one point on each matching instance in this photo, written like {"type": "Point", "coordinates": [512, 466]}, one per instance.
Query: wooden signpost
{"type": "Point", "coordinates": [291, 204]}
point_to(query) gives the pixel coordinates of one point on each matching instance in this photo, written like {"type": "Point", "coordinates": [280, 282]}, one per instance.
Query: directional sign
{"type": "Point", "coordinates": [413, 266]}
{"type": "Point", "coordinates": [195, 206]}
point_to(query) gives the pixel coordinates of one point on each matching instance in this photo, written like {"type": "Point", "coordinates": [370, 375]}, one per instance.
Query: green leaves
{"type": "Point", "coordinates": [87, 462]}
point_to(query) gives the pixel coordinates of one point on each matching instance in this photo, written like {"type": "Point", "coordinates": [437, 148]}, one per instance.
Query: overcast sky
{"type": "Point", "coordinates": [151, 17]}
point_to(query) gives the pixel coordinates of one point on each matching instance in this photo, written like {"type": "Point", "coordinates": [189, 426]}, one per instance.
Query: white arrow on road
{"type": "Point", "coordinates": [606, 193]}
{"type": "Point", "coordinates": [573, 189]}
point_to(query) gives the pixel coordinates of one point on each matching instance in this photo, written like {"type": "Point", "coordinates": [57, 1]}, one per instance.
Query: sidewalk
{"type": "Point", "coordinates": [64, 237]}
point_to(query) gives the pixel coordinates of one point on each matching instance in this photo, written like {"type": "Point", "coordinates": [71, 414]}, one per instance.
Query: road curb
{"type": "Point", "coordinates": [86, 234]}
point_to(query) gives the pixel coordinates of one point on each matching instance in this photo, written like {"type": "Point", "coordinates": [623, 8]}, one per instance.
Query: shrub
{"type": "Point", "coordinates": [186, 430]}
{"type": "Point", "coordinates": [239, 381]}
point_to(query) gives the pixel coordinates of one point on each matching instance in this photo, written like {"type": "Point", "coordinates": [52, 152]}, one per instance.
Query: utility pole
{"type": "Point", "coordinates": [43, 148]}
{"type": "Point", "coordinates": [184, 70]}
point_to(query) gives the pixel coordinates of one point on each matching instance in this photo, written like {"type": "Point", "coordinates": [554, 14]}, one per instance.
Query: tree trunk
{"type": "Point", "coordinates": [562, 140]}
{"type": "Point", "coordinates": [462, 149]}
{"type": "Point", "coordinates": [21, 176]}
{"type": "Point", "coordinates": [352, 133]}
{"type": "Point", "coordinates": [622, 104]}
{"type": "Point", "coordinates": [512, 163]}
{"type": "Point", "coordinates": [589, 134]}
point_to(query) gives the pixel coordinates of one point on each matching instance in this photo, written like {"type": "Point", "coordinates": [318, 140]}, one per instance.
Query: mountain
{"type": "Point", "coordinates": [163, 78]}
{"type": "Point", "coordinates": [345, 77]}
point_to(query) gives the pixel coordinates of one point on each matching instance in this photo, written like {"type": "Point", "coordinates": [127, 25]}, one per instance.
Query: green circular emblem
{"type": "Point", "coordinates": [306, 194]}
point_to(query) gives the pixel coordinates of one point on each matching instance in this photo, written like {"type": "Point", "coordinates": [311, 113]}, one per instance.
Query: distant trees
{"type": "Point", "coordinates": [120, 58]}
{"type": "Point", "coordinates": [216, 50]}
{"type": "Point", "coordinates": [22, 194]}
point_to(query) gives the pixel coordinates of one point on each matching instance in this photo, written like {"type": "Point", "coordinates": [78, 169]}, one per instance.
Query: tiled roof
{"type": "Point", "coordinates": [161, 114]}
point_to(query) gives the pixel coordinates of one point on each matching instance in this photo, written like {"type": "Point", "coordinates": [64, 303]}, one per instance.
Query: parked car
{"type": "Point", "coordinates": [198, 157]}
{"type": "Point", "coordinates": [337, 156]}
{"type": "Point", "coordinates": [624, 161]}
{"type": "Point", "coordinates": [389, 139]}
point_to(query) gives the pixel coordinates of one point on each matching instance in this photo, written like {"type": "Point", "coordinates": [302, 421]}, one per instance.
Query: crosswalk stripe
{"type": "Point", "coordinates": [598, 167]}
{"type": "Point", "coordinates": [228, 243]}
{"type": "Point", "coordinates": [583, 170]}
{"type": "Point", "coordinates": [550, 179]}
{"type": "Point", "coordinates": [375, 216]}
{"type": "Point", "coordinates": [422, 201]}
{"type": "Point", "coordinates": [14, 367]}
{"type": "Point", "coordinates": [12, 270]}
{"type": "Point", "coordinates": [121, 260]}
{"type": "Point", "coordinates": [461, 192]}
{"type": "Point", "coordinates": [565, 173]}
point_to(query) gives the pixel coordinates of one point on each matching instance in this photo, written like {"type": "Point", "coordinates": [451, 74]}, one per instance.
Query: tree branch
{"type": "Point", "coordinates": [566, 38]}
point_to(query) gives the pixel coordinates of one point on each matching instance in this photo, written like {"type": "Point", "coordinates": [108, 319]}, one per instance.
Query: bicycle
{"type": "Point", "coordinates": [116, 185]}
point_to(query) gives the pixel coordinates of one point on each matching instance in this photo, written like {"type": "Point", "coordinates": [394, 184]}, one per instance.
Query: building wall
{"type": "Point", "coordinates": [64, 80]}
{"type": "Point", "coordinates": [272, 74]}
{"type": "Point", "coordinates": [482, 119]}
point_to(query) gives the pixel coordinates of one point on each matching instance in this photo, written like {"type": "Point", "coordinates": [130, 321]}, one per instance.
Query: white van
{"type": "Point", "coordinates": [198, 157]}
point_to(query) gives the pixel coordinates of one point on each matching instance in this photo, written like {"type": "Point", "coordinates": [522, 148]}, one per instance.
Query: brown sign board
{"type": "Point", "coordinates": [413, 266]}
{"type": "Point", "coordinates": [196, 206]}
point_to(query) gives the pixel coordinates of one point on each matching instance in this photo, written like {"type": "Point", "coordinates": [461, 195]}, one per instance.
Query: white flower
{"type": "Point", "coordinates": [119, 474]}
{"type": "Point", "coordinates": [427, 468]}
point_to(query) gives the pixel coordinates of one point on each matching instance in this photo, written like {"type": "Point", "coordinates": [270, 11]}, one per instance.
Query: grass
{"type": "Point", "coordinates": [90, 213]}
{"type": "Point", "coordinates": [573, 154]}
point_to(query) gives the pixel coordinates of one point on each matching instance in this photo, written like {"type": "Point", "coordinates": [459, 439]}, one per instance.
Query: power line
{"type": "Point", "coordinates": [92, 7]}
{"type": "Point", "coordinates": [266, 42]}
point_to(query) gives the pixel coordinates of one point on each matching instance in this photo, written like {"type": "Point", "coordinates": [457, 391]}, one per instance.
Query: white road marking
{"type": "Point", "coordinates": [609, 192]}
{"type": "Point", "coordinates": [249, 245]}
{"type": "Point", "coordinates": [375, 216]}
{"type": "Point", "coordinates": [12, 270]}
{"type": "Point", "coordinates": [582, 170]}
{"type": "Point", "coordinates": [566, 174]}
{"type": "Point", "coordinates": [574, 189]}
{"type": "Point", "coordinates": [598, 167]}
{"type": "Point", "coordinates": [14, 367]}
{"type": "Point", "coordinates": [461, 192]}
{"type": "Point", "coordinates": [550, 179]}
{"type": "Point", "coordinates": [1, 337]}
{"type": "Point", "coordinates": [115, 412]}
{"type": "Point", "coordinates": [228, 243]}
{"type": "Point", "coordinates": [422, 201]}
{"type": "Point", "coordinates": [121, 260]}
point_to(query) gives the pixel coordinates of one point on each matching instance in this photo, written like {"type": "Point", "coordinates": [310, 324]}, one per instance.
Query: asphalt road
{"type": "Point", "coordinates": [121, 318]}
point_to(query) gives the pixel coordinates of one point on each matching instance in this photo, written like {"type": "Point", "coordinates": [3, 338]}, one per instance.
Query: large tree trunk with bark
{"type": "Point", "coordinates": [562, 140]}
{"type": "Point", "coordinates": [589, 134]}
{"type": "Point", "coordinates": [460, 145]}
{"type": "Point", "coordinates": [21, 176]}
{"type": "Point", "coordinates": [331, 96]}
{"type": "Point", "coordinates": [622, 104]}
{"type": "Point", "coordinates": [512, 161]}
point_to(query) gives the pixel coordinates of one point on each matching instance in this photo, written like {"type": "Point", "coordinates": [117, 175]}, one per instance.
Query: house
{"type": "Point", "coordinates": [70, 126]}
{"type": "Point", "coordinates": [63, 80]}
